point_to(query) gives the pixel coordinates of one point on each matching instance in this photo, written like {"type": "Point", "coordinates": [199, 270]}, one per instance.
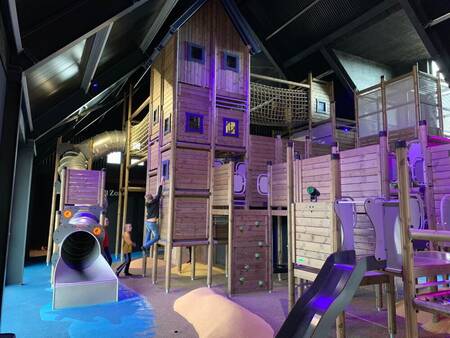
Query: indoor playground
{"type": "Point", "coordinates": [225, 169]}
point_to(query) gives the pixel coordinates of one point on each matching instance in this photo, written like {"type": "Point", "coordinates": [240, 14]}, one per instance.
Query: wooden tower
{"type": "Point", "coordinates": [199, 103]}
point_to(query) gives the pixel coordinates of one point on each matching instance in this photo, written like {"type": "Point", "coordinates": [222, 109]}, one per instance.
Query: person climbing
{"type": "Point", "coordinates": [127, 246]}
{"type": "Point", "coordinates": [105, 243]}
{"type": "Point", "coordinates": [152, 217]}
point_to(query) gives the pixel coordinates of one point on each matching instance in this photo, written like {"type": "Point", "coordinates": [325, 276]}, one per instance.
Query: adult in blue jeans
{"type": "Point", "coordinates": [152, 217]}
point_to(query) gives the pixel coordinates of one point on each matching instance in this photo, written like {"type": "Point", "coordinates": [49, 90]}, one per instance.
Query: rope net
{"type": "Point", "coordinates": [139, 137]}
{"type": "Point", "coordinates": [275, 106]}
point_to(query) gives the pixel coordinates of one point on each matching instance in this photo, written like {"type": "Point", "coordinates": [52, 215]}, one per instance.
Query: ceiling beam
{"type": "Point", "coordinates": [430, 39]}
{"type": "Point", "coordinates": [295, 17]}
{"type": "Point", "coordinates": [93, 55]}
{"type": "Point", "coordinates": [157, 24]}
{"type": "Point", "coordinates": [438, 20]}
{"type": "Point", "coordinates": [337, 67]}
{"type": "Point", "coordinates": [77, 99]}
{"type": "Point", "coordinates": [59, 34]}
{"type": "Point", "coordinates": [15, 25]}
{"type": "Point", "coordinates": [344, 30]}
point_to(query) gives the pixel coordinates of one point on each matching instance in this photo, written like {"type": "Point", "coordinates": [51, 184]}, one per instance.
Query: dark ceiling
{"type": "Point", "coordinates": [78, 54]}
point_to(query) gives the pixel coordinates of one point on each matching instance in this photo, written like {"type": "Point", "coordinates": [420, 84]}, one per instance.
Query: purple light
{"type": "Point", "coordinates": [345, 130]}
{"type": "Point", "coordinates": [344, 267]}
{"type": "Point", "coordinates": [322, 303]}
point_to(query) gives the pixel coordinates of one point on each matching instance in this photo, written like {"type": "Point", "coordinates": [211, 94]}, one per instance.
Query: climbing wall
{"type": "Point", "coordinates": [251, 251]}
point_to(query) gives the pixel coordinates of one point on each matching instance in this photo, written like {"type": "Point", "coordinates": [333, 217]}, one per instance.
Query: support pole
{"type": "Point", "coordinates": [336, 194]}
{"type": "Point", "coordinates": [230, 227]}
{"type": "Point", "coordinates": [119, 201]}
{"type": "Point", "coordinates": [290, 223]}
{"type": "Point", "coordinates": [127, 164]}
{"type": "Point", "coordinates": [383, 104]}
{"type": "Point", "coordinates": [51, 226]}
{"type": "Point", "coordinates": [279, 244]}
{"type": "Point", "coordinates": [270, 219]}
{"type": "Point", "coordinates": [440, 108]}
{"type": "Point", "coordinates": [415, 75]}
{"type": "Point", "coordinates": [407, 246]}
{"type": "Point", "coordinates": [193, 262]}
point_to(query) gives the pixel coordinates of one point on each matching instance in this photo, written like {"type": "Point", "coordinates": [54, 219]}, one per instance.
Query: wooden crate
{"type": "Point", "coordinates": [192, 169]}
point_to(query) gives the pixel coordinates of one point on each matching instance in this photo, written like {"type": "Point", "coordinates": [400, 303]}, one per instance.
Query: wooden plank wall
{"type": "Point", "coordinates": [196, 31]}
{"type": "Point", "coordinates": [320, 149]}
{"type": "Point", "coordinates": [316, 172]}
{"type": "Point", "coordinates": [192, 169]}
{"type": "Point", "coordinates": [191, 218]}
{"type": "Point", "coordinates": [279, 185]}
{"type": "Point", "coordinates": [220, 185]}
{"type": "Point", "coordinates": [346, 140]}
{"type": "Point", "coordinates": [360, 179]}
{"type": "Point", "coordinates": [169, 55]}
{"type": "Point", "coordinates": [321, 91]}
{"type": "Point", "coordinates": [440, 161]}
{"type": "Point", "coordinates": [261, 150]}
{"type": "Point", "coordinates": [229, 83]}
{"type": "Point", "coordinates": [313, 233]}
{"type": "Point", "coordinates": [193, 99]}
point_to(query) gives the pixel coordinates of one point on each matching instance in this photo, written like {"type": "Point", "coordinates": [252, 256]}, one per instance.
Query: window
{"type": "Point", "coordinates": [230, 61]}
{"type": "Point", "coordinates": [155, 116]}
{"type": "Point", "coordinates": [167, 125]}
{"type": "Point", "coordinates": [114, 157]}
{"type": "Point", "coordinates": [194, 123]}
{"type": "Point", "coordinates": [321, 106]}
{"type": "Point", "coordinates": [230, 127]}
{"type": "Point", "coordinates": [195, 53]}
{"type": "Point", "coordinates": [165, 169]}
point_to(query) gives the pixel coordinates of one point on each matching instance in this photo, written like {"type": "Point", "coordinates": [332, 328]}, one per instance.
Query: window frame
{"type": "Point", "coordinates": [165, 164]}
{"type": "Point", "coordinates": [154, 122]}
{"type": "Point", "coordinates": [188, 128]}
{"type": "Point", "coordinates": [169, 127]}
{"type": "Point", "coordinates": [225, 63]}
{"type": "Point", "coordinates": [189, 47]}
{"type": "Point", "coordinates": [320, 111]}
{"type": "Point", "coordinates": [225, 121]}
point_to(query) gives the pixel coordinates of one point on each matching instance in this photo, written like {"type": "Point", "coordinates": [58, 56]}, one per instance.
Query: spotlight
{"type": "Point", "coordinates": [313, 193]}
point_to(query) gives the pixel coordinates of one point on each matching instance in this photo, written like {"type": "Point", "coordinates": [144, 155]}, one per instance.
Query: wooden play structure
{"type": "Point", "coordinates": [199, 113]}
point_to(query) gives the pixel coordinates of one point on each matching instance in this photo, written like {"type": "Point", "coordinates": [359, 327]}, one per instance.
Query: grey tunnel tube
{"type": "Point", "coordinates": [79, 250]}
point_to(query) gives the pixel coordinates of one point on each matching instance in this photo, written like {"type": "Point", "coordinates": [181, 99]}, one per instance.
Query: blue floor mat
{"type": "Point", "coordinates": [27, 312]}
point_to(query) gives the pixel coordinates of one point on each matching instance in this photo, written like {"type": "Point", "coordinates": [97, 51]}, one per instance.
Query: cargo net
{"type": "Point", "coordinates": [139, 138]}
{"type": "Point", "coordinates": [280, 107]}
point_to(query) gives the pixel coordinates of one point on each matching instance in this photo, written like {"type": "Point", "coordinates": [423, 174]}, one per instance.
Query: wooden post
{"type": "Point", "coordinates": [213, 84]}
{"type": "Point", "coordinates": [336, 236]}
{"type": "Point", "coordinates": [122, 167]}
{"type": "Point", "coordinates": [429, 198]}
{"type": "Point", "coordinates": [155, 263]}
{"type": "Point", "coordinates": [290, 223]}
{"type": "Point", "coordinates": [308, 147]}
{"type": "Point", "coordinates": [356, 104]}
{"type": "Point", "coordinates": [279, 243]}
{"type": "Point", "coordinates": [180, 259]}
{"type": "Point", "coordinates": [311, 105]}
{"type": "Point", "coordinates": [269, 219]}
{"type": "Point", "coordinates": [53, 207]}
{"type": "Point", "coordinates": [171, 218]}
{"type": "Point", "coordinates": [384, 164]}
{"type": "Point", "coordinates": [127, 164]}
{"type": "Point", "coordinates": [391, 310]}
{"type": "Point", "coordinates": [230, 226]}
{"type": "Point", "coordinates": [193, 262]}
{"type": "Point", "coordinates": [333, 112]}
{"type": "Point", "coordinates": [415, 75]}
{"type": "Point", "coordinates": [407, 246]}
{"type": "Point", "coordinates": [90, 160]}
{"type": "Point", "coordinates": [440, 108]}
{"type": "Point", "coordinates": [383, 104]}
